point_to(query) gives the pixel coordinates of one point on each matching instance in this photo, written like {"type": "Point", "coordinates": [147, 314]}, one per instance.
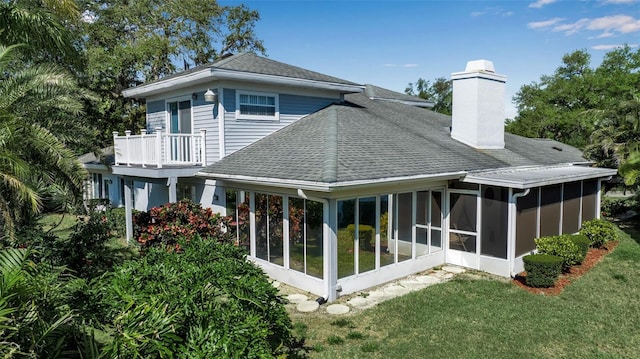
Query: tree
{"type": "Point", "coordinates": [568, 106]}
{"type": "Point", "coordinates": [46, 26]}
{"type": "Point", "coordinates": [31, 156]}
{"type": "Point", "coordinates": [440, 92]}
{"type": "Point", "coordinates": [128, 43]}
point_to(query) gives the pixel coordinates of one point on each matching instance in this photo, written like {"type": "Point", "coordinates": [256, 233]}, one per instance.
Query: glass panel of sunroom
{"type": "Point", "coordinates": [346, 218]}
{"type": "Point", "coordinates": [436, 221]}
{"type": "Point", "coordinates": [296, 234]}
{"type": "Point", "coordinates": [276, 225]}
{"type": "Point", "coordinates": [314, 241]}
{"type": "Point", "coordinates": [231, 210]}
{"type": "Point", "coordinates": [366, 234]}
{"type": "Point", "coordinates": [386, 254]}
{"type": "Point", "coordinates": [571, 207]}
{"type": "Point", "coordinates": [550, 210]}
{"type": "Point", "coordinates": [589, 200]}
{"type": "Point", "coordinates": [404, 225]}
{"type": "Point", "coordinates": [526, 222]}
{"type": "Point", "coordinates": [262, 244]}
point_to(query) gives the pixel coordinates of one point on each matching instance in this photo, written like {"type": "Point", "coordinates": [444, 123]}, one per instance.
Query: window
{"type": "Point", "coordinates": [256, 106]}
{"type": "Point", "coordinates": [179, 116]}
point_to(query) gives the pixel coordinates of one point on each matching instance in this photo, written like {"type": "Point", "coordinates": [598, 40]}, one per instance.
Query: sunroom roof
{"type": "Point", "coordinates": [529, 177]}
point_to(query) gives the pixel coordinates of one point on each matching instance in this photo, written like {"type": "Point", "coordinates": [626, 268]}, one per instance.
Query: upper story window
{"type": "Point", "coordinates": [257, 106]}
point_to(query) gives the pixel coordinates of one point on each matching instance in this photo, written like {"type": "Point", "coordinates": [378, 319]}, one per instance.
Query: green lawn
{"type": "Point", "coordinates": [597, 316]}
{"type": "Point", "coordinates": [60, 224]}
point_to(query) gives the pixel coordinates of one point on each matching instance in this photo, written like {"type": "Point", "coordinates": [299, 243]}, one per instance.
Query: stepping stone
{"type": "Point", "coordinates": [452, 269]}
{"type": "Point", "coordinates": [396, 290]}
{"type": "Point", "coordinates": [297, 298]}
{"type": "Point", "coordinates": [412, 284]}
{"type": "Point", "coordinates": [308, 306]}
{"type": "Point", "coordinates": [379, 295]}
{"type": "Point", "coordinates": [359, 302]}
{"type": "Point", "coordinates": [447, 276]}
{"type": "Point", "coordinates": [338, 309]}
{"type": "Point", "coordinates": [428, 279]}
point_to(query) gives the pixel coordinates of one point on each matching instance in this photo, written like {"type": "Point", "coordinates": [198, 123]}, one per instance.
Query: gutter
{"type": "Point", "coordinates": [212, 74]}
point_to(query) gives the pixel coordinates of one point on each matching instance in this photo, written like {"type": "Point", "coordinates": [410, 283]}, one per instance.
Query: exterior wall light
{"type": "Point", "coordinates": [210, 96]}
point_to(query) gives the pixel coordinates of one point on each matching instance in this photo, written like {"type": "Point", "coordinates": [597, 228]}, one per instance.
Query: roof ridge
{"type": "Point", "coordinates": [330, 160]}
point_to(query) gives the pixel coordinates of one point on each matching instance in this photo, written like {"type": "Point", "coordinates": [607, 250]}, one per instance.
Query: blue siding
{"type": "Point", "coordinates": [156, 115]}
{"type": "Point", "coordinates": [303, 105]}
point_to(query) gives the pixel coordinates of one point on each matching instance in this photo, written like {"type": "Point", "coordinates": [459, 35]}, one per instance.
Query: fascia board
{"type": "Point", "coordinates": [168, 84]}
{"type": "Point", "coordinates": [329, 187]}
{"type": "Point", "coordinates": [219, 74]}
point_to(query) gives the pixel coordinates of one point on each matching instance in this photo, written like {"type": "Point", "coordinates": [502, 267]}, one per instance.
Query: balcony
{"type": "Point", "coordinates": [160, 149]}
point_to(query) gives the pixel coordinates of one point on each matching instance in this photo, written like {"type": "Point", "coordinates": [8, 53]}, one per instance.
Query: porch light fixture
{"type": "Point", "coordinates": [210, 96]}
{"type": "Point", "coordinates": [194, 96]}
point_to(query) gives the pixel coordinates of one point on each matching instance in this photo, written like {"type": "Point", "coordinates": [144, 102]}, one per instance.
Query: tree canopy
{"type": "Point", "coordinates": [440, 92]}
{"type": "Point", "coordinates": [576, 100]}
{"type": "Point", "coordinates": [128, 43]}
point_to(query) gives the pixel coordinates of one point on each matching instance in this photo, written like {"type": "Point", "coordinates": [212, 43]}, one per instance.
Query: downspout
{"type": "Point", "coordinates": [325, 234]}
{"type": "Point", "coordinates": [514, 197]}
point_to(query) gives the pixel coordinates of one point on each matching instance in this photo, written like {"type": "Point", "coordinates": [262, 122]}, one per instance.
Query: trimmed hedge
{"type": "Point", "coordinates": [562, 246]}
{"type": "Point", "coordinates": [583, 243]}
{"type": "Point", "coordinates": [599, 232]}
{"type": "Point", "coordinates": [542, 269]}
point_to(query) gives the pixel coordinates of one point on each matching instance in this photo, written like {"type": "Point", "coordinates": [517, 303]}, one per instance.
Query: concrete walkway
{"type": "Point", "coordinates": [303, 303]}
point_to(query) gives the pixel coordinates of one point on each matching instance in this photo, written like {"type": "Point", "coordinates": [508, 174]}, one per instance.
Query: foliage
{"type": "Point", "coordinates": [166, 224]}
{"type": "Point", "coordinates": [35, 319]}
{"type": "Point", "coordinates": [542, 269]}
{"type": "Point", "coordinates": [366, 235]}
{"type": "Point", "coordinates": [612, 207]}
{"type": "Point", "coordinates": [577, 100]}
{"type": "Point", "coordinates": [440, 92]}
{"type": "Point", "coordinates": [32, 157]}
{"type": "Point", "coordinates": [128, 43]}
{"type": "Point", "coordinates": [599, 232]}
{"type": "Point", "coordinates": [583, 243]}
{"type": "Point", "coordinates": [206, 301]}
{"type": "Point", "coordinates": [117, 221]}
{"type": "Point", "coordinates": [561, 246]}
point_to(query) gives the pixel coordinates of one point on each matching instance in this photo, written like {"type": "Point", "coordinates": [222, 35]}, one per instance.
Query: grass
{"type": "Point", "coordinates": [59, 224]}
{"type": "Point", "coordinates": [595, 317]}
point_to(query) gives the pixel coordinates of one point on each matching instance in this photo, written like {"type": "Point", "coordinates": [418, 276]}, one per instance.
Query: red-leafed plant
{"type": "Point", "coordinates": [166, 224]}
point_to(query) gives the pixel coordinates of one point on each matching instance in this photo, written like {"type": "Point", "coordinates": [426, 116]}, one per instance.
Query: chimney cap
{"type": "Point", "coordinates": [480, 66]}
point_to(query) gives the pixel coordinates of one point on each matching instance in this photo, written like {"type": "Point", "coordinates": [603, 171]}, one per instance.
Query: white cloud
{"type": "Point", "coordinates": [496, 10]}
{"type": "Point", "coordinates": [618, 23]}
{"type": "Point", "coordinates": [410, 65]}
{"type": "Point", "coordinates": [608, 26]}
{"type": "Point", "coordinates": [389, 65]}
{"type": "Point", "coordinates": [546, 23]}
{"type": "Point", "coordinates": [540, 3]}
{"type": "Point", "coordinates": [615, 2]}
{"type": "Point", "coordinates": [611, 47]}
{"type": "Point", "coordinates": [478, 13]}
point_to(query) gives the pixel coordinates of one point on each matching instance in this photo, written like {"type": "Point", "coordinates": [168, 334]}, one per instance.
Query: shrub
{"type": "Point", "coordinates": [366, 235]}
{"type": "Point", "coordinates": [583, 243]}
{"type": "Point", "coordinates": [542, 269]}
{"type": "Point", "coordinates": [116, 218]}
{"type": "Point", "coordinates": [561, 246]}
{"type": "Point", "coordinates": [599, 232]}
{"type": "Point", "coordinates": [205, 301]}
{"type": "Point", "coordinates": [166, 224]}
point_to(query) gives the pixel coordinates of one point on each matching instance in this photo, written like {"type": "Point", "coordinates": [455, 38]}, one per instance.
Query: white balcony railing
{"type": "Point", "coordinates": [160, 148]}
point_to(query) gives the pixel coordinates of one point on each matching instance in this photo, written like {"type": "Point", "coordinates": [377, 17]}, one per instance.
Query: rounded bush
{"type": "Point", "coordinates": [561, 246]}
{"type": "Point", "coordinates": [542, 269]}
{"type": "Point", "coordinates": [599, 232]}
{"type": "Point", "coordinates": [583, 243]}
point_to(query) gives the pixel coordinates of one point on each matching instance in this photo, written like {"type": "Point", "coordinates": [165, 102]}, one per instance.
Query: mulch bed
{"type": "Point", "coordinates": [593, 257]}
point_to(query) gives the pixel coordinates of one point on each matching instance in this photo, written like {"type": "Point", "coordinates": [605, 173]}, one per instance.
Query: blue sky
{"type": "Point", "coordinates": [392, 43]}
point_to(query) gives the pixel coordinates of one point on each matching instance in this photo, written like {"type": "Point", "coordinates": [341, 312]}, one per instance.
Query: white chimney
{"type": "Point", "coordinates": [478, 106]}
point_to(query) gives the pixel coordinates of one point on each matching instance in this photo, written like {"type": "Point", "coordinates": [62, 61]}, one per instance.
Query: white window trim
{"type": "Point", "coordinates": [240, 116]}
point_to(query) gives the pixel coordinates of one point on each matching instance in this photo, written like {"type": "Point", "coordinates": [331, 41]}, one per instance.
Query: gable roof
{"type": "Point", "coordinates": [244, 67]}
{"type": "Point", "coordinates": [365, 141]}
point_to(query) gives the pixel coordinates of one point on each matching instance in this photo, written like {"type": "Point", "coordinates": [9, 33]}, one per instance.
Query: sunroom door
{"type": "Point", "coordinates": [463, 229]}
{"type": "Point", "coordinates": [180, 129]}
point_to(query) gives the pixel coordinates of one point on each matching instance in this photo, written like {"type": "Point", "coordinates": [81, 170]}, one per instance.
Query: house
{"type": "Point", "coordinates": [102, 185]}
{"type": "Point", "coordinates": [335, 187]}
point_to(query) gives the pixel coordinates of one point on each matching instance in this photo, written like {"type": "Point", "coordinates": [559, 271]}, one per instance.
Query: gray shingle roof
{"type": "Point", "coordinates": [252, 63]}
{"type": "Point", "coordinates": [363, 139]}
